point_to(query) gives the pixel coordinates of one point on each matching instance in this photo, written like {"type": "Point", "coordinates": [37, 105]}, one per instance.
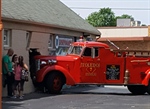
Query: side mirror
{"type": "Point", "coordinates": [93, 53]}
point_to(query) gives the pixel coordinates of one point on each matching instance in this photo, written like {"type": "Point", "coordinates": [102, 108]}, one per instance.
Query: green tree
{"type": "Point", "coordinates": [125, 16]}
{"type": "Point", "coordinates": [143, 25]}
{"type": "Point", "coordinates": [104, 17]}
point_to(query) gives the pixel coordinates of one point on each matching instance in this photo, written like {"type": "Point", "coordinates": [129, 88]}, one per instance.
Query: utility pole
{"type": "Point", "coordinates": [1, 26]}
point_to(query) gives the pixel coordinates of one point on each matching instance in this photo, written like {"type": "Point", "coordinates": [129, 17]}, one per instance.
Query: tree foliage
{"type": "Point", "coordinates": [143, 25]}
{"type": "Point", "coordinates": [125, 16]}
{"type": "Point", "coordinates": [105, 17]}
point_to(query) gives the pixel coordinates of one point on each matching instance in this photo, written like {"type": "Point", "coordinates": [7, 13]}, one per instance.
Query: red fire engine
{"type": "Point", "coordinates": [95, 63]}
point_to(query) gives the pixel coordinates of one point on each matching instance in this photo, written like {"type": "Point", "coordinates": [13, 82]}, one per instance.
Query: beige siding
{"type": "Point", "coordinates": [123, 32]}
{"type": "Point", "coordinates": [149, 30]}
{"type": "Point", "coordinates": [19, 45]}
{"type": "Point", "coordinates": [40, 29]}
{"type": "Point", "coordinates": [40, 41]}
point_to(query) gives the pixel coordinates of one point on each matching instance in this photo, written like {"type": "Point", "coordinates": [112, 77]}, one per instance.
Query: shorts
{"type": "Point", "coordinates": [19, 83]}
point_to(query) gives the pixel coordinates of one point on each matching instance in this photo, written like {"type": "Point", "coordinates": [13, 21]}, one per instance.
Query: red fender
{"type": "Point", "coordinates": [42, 72]}
{"type": "Point", "coordinates": [147, 78]}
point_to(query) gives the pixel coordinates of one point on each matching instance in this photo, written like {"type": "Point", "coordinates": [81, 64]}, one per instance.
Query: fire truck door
{"type": "Point", "coordinates": [113, 71]}
{"type": "Point", "coordinates": [90, 65]}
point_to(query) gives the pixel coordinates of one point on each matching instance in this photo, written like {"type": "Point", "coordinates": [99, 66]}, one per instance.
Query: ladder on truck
{"type": "Point", "coordinates": [131, 53]}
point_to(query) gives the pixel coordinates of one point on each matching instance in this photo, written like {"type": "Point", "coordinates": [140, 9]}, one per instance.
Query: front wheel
{"type": "Point", "coordinates": [54, 83]}
{"type": "Point", "coordinates": [137, 89]}
{"type": "Point", "coordinates": [148, 88]}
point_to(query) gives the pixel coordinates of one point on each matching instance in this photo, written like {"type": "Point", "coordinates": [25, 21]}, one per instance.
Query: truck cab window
{"type": "Point", "coordinates": [75, 50]}
{"type": "Point", "coordinates": [96, 51]}
{"type": "Point", "coordinates": [87, 52]}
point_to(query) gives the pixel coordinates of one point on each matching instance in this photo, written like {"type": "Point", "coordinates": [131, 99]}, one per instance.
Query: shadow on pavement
{"type": "Point", "coordinates": [101, 93]}
{"type": "Point", "coordinates": [39, 94]}
{"type": "Point", "coordinates": [33, 95]}
{"type": "Point", "coordinates": [98, 90]}
{"type": "Point", "coordinates": [82, 89]}
{"type": "Point", "coordinates": [11, 103]}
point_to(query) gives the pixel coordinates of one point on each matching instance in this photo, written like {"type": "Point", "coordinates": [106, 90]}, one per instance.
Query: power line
{"type": "Point", "coordinates": [138, 9]}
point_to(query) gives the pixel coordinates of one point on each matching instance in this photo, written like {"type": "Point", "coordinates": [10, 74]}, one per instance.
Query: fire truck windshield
{"type": "Point", "coordinates": [75, 50]}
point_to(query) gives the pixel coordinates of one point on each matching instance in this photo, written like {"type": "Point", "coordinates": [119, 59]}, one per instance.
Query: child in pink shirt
{"type": "Point", "coordinates": [18, 81]}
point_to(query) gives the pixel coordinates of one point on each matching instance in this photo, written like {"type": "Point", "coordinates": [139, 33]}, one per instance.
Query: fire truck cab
{"type": "Point", "coordinates": [95, 63]}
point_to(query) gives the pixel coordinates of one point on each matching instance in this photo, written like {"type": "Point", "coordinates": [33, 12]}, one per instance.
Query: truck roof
{"type": "Point", "coordinates": [91, 44]}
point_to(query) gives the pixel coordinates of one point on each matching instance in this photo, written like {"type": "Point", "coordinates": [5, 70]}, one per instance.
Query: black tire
{"type": "Point", "coordinates": [148, 88]}
{"type": "Point", "coordinates": [137, 89]}
{"type": "Point", "coordinates": [54, 83]}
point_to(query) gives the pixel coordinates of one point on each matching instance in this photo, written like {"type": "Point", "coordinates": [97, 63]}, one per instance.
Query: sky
{"type": "Point", "coordinates": [138, 9]}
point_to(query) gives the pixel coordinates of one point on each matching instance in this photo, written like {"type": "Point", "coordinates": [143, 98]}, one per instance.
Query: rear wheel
{"type": "Point", "coordinates": [137, 89]}
{"type": "Point", "coordinates": [54, 83]}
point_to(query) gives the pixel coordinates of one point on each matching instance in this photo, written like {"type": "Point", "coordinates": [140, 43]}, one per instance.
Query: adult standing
{"type": "Point", "coordinates": [14, 61]}
{"type": "Point", "coordinates": [7, 71]}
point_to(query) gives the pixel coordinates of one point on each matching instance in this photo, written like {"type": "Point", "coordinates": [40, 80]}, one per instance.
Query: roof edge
{"type": "Point", "coordinates": [122, 27]}
{"type": "Point", "coordinates": [51, 25]}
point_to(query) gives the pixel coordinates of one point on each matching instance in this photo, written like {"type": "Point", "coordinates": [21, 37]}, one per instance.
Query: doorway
{"type": "Point", "coordinates": [33, 52]}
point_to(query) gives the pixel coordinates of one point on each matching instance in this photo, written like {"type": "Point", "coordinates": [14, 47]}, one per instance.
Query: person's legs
{"type": "Point", "coordinates": [4, 80]}
{"type": "Point", "coordinates": [21, 89]}
{"type": "Point", "coordinates": [15, 88]}
{"type": "Point", "coordinates": [9, 85]}
{"type": "Point", "coordinates": [18, 88]}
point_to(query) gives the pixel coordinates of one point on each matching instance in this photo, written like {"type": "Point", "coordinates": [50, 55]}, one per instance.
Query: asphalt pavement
{"type": "Point", "coordinates": [8, 103]}
{"type": "Point", "coordinates": [81, 97]}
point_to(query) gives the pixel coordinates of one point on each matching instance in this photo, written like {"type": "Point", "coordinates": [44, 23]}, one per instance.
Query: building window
{"type": "Point", "coordinates": [52, 50]}
{"type": "Point", "coordinates": [50, 42]}
{"type": "Point", "coordinates": [6, 38]}
{"type": "Point", "coordinates": [28, 35]}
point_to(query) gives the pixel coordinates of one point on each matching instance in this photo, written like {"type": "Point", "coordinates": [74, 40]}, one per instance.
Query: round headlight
{"type": "Point", "coordinates": [43, 62]}
{"type": "Point", "coordinates": [54, 61]}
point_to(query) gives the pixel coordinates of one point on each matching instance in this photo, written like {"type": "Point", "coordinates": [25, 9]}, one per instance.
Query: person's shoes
{"type": "Point", "coordinates": [21, 97]}
{"type": "Point", "coordinates": [14, 97]}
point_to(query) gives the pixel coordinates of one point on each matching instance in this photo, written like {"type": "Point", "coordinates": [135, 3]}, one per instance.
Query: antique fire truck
{"type": "Point", "coordinates": [95, 63]}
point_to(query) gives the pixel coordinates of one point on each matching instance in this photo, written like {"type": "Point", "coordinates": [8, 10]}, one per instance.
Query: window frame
{"type": "Point", "coordinates": [51, 41]}
{"type": "Point", "coordinates": [6, 37]}
{"type": "Point", "coordinates": [28, 38]}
